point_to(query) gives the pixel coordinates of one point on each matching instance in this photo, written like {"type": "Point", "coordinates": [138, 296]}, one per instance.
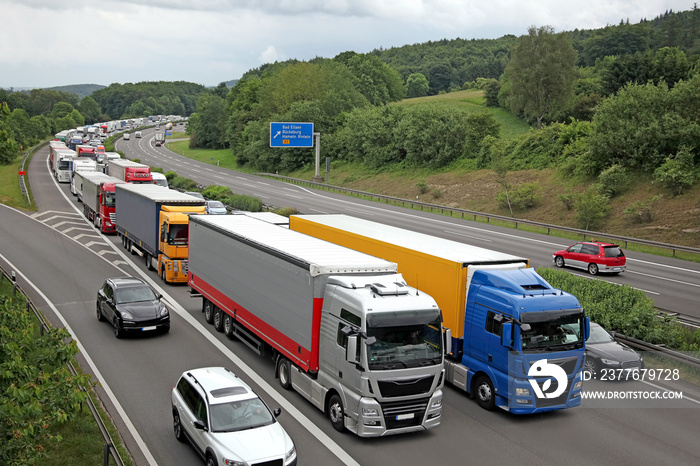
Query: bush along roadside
{"type": "Point", "coordinates": [623, 309]}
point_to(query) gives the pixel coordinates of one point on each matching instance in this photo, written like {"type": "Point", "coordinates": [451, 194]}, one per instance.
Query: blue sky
{"type": "Point", "coordinates": [45, 43]}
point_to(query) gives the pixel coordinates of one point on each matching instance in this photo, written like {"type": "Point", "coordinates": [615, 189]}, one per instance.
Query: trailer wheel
{"type": "Point", "coordinates": [218, 320]}
{"type": "Point", "coordinates": [148, 261]}
{"type": "Point", "coordinates": [485, 396]}
{"type": "Point", "coordinates": [336, 413]}
{"type": "Point", "coordinates": [208, 309]}
{"type": "Point", "coordinates": [284, 372]}
{"type": "Point", "coordinates": [228, 327]}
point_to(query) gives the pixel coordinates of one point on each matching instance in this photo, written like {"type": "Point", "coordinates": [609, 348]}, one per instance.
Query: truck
{"type": "Point", "coordinates": [74, 141]}
{"type": "Point", "coordinates": [85, 150]}
{"type": "Point", "coordinates": [154, 222]}
{"type": "Point", "coordinates": [96, 192]}
{"type": "Point", "coordinates": [78, 164]}
{"type": "Point", "coordinates": [130, 171]}
{"type": "Point", "coordinates": [343, 328]}
{"type": "Point", "coordinates": [159, 139]}
{"type": "Point", "coordinates": [54, 146]}
{"type": "Point", "coordinates": [63, 159]}
{"type": "Point", "coordinates": [503, 321]}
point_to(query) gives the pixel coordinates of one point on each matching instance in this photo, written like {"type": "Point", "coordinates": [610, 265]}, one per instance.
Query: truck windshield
{"type": "Point", "coordinates": [108, 199]}
{"type": "Point", "coordinates": [405, 346]}
{"type": "Point", "coordinates": [553, 330]}
{"type": "Point", "coordinates": [64, 164]}
{"type": "Point", "coordinates": [178, 235]}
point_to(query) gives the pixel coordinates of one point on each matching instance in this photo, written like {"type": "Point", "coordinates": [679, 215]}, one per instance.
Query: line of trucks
{"type": "Point", "coordinates": [364, 320]}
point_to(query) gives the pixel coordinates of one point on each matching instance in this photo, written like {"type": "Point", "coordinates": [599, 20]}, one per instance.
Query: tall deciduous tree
{"type": "Point", "coordinates": [541, 72]}
{"type": "Point", "coordinates": [417, 85]}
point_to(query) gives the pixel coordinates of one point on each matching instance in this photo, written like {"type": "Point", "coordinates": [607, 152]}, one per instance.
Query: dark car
{"type": "Point", "coordinates": [130, 304]}
{"type": "Point", "coordinates": [604, 352]}
{"type": "Point", "coordinates": [594, 256]}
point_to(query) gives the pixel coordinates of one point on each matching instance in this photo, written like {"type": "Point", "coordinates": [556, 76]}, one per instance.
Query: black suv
{"type": "Point", "coordinates": [129, 303]}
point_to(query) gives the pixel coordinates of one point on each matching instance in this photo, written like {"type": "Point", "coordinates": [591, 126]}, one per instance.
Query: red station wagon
{"type": "Point", "coordinates": [593, 256]}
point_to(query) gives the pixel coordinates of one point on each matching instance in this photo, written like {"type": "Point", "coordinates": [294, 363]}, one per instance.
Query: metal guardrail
{"type": "Point", "coordinates": [474, 214]}
{"type": "Point", "coordinates": [669, 353]}
{"type": "Point", "coordinates": [109, 449]}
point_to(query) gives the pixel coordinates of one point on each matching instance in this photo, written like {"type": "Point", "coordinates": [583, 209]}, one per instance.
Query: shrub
{"type": "Point", "coordinates": [286, 211]}
{"type": "Point", "coordinates": [677, 173]}
{"type": "Point", "coordinates": [170, 175]}
{"type": "Point", "coordinates": [243, 202]}
{"type": "Point", "coordinates": [568, 199]}
{"type": "Point", "coordinates": [422, 187]}
{"type": "Point", "coordinates": [217, 192]}
{"type": "Point", "coordinates": [185, 184]}
{"type": "Point", "coordinates": [614, 180]}
{"type": "Point", "coordinates": [436, 193]}
{"type": "Point", "coordinates": [623, 309]}
{"type": "Point", "coordinates": [523, 197]}
{"type": "Point", "coordinates": [641, 211]}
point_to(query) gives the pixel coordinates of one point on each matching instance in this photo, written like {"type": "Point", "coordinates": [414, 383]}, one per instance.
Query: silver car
{"type": "Point", "coordinates": [226, 422]}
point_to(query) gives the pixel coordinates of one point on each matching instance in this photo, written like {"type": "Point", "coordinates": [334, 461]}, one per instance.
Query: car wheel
{"type": "Point", "coordinates": [485, 396]}
{"type": "Point", "coordinates": [211, 461]}
{"type": "Point", "coordinates": [284, 371]}
{"type": "Point", "coordinates": [593, 269]}
{"type": "Point", "coordinates": [166, 328]}
{"type": "Point", "coordinates": [100, 317]}
{"type": "Point", "coordinates": [218, 320]}
{"type": "Point", "coordinates": [559, 261]}
{"type": "Point", "coordinates": [177, 427]}
{"type": "Point", "coordinates": [208, 309]}
{"type": "Point", "coordinates": [118, 332]}
{"type": "Point", "coordinates": [336, 413]}
{"type": "Point", "coordinates": [591, 367]}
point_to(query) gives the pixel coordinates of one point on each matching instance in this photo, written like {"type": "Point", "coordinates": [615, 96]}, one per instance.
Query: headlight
{"type": "Point", "coordinates": [163, 311]}
{"type": "Point", "coordinates": [127, 316]}
{"type": "Point", "coordinates": [578, 385]}
{"type": "Point", "coordinates": [522, 392]}
{"type": "Point", "coordinates": [370, 412]}
{"type": "Point", "coordinates": [291, 454]}
{"type": "Point", "coordinates": [610, 362]}
{"type": "Point", "coordinates": [228, 462]}
{"type": "Point", "coordinates": [437, 404]}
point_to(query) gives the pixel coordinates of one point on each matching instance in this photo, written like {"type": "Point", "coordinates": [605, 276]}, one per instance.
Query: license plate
{"type": "Point", "coordinates": [148, 328]}
{"type": "Point", "coordinates": [403, 417]}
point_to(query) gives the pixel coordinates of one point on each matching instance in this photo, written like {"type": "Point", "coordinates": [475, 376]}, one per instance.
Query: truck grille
{"type": "Point", "coordinates": [397, 414]}
{"type": "Point", "coordinates": [113, 217]}
{"type": "Point", "coordinates": [185, 265]}
{"type": "Point", "coordinates": [560, 400]}
{"type": "Point", "coordinates": [568, 364]}
{"type": "Point", "coordinates": [405, 387]}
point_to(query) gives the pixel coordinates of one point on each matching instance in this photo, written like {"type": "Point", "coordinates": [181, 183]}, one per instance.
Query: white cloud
{"type": "Point", "coordinates": [269, 55]}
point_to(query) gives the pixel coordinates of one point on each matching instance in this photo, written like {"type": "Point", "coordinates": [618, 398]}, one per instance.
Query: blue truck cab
{"type": "Point", "coordinates": [523, 340]}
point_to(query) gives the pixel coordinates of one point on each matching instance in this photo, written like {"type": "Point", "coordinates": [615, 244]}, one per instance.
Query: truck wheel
{"type": "Point", "coordinates": [218, 320]}
{"type": "Point", "coordinates": [336, 413]}
{"type": "Point", "coordinates": [163, 276]}
{"type": "Point", "coordinates": [148, 261]}
{"type": "Point", "coordinates": [485, 396]}
{"type": "Point", "coordinates": [284, 372]}
{"type": "Point", "coordinates": [208, 309]}
{"type": "Point", "coordinates": [559, 261]}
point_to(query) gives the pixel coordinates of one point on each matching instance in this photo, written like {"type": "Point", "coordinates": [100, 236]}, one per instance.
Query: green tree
{"type": "Point", "coordinates": [591, 208]}
{"type": "Point", "coordinates": [376, 80]}
{"type": "Point", "coordinates": [9, 148]}
{"type": "Point", "coordinates": [207, 125]}
{"type": "Point", "coordinates": [417, 85]}
{"type": "Point", "coordinates": [38, 390]}
{"type": "Point", "coordinates": [541, 72]}
{"type": "Point", "coordinates": [90, 109]}
{"type": "Point", "coordinates": [61, 109]}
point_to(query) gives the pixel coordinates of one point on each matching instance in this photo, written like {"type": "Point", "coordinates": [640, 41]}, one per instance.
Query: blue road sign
{"type": "Point", "coordinates": [168, 134]}
{"type": "Point", "coordinates": [291, 134]}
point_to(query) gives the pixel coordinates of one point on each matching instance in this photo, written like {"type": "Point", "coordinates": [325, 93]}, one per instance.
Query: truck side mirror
{"type": "Point", "coordinates": [586, 328]}
{"type": "Point", "coordinates": [448, 341]}
{"type": "Point", "coordinates": [351, 350]}
{"type": "Point", "coordinates": [507, 335]}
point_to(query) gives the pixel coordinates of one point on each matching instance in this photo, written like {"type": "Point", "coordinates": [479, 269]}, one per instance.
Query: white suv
{"type": "Point", "coordinates": [226, 422]}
